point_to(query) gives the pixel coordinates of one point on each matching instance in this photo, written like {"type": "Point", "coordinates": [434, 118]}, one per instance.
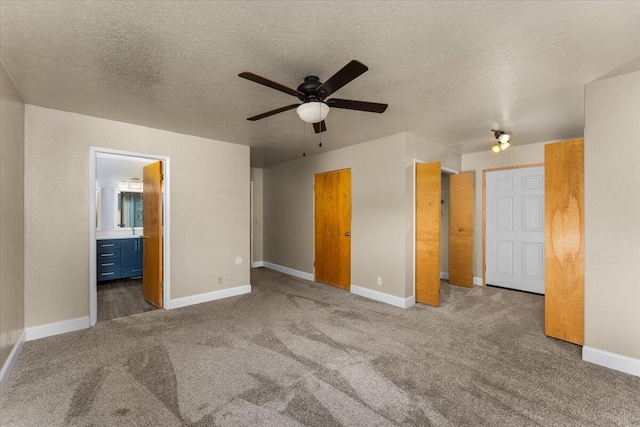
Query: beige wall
{"type": "Point", "coordinates": [257, 179]}
{"type": "Point", "coordinates": [612, 215]}
{"type": "Point", "coordinates": [514, 156]}
{"type": "Point", "coordinates": [11, 215]}
{"type": "Point", "coordinates": [382, 209]}
{"type": "Point", "coordinates": [377, 226]}
{"type": "Point", "coordinates": [209, 209]}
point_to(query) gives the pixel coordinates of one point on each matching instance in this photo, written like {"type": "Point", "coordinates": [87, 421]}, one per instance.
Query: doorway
{"type": "Point", "coordinates": [443, 246]}
{"type": "Point", "coordinates": [251, 219]}
{"type": "Point", "coordinates": [332, 228]}
{"type": "Point", "coordinates": [129, 233]}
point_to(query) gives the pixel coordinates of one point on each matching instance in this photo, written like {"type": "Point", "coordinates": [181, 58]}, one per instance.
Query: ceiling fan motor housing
{"type": "Point", "coordinates": [309, 89]}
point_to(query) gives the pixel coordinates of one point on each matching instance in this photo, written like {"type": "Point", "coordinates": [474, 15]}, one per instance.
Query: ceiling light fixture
{"type": "Point", "coordinates": [503, 141]}
{"type": "Point", "coordinates": [133, 184]}
{"type": "Point", "coordinates": [313, 112]}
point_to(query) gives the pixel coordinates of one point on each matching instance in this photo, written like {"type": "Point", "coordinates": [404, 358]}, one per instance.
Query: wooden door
{"type": "Point", "coordinates": [564, 236]}
{"type": "Point", "coordinates": [428, 196]}
{"type": "Point", "coordinates": [332, 193]}
{"type": "Point", "coordinates": [152, 223]}
{"type": "Point", "coordinates": [461, 229]}
{"type": "Point", "coordinates": [515, 228]}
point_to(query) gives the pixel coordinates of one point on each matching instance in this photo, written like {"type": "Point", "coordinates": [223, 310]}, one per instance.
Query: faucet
{"type": "Point", "coordinates": [133, 231]}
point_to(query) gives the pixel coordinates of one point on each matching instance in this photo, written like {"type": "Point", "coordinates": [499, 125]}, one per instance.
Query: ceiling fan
{"type": "Point", "coordinates": [313, 93]}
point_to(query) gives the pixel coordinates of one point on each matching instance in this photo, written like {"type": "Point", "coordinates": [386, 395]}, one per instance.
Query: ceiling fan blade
{"type": "Point", "coordinates": [277, 86]}
{"type": "Point", "coordinates": [349, 72]}
{"type": "Point", "coordinates": [320, 127]}
{"type": "Point", "coordinates": [349, 104]}
{"type": "Point", "coordinates": [272, 112]}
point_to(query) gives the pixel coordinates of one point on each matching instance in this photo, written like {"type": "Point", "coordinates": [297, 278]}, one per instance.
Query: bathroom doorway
{"type": "Point", "coordinates": [129, 231]}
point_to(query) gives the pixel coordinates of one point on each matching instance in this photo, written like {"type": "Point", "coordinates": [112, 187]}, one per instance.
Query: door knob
{"type": "Point", "coordinates": [347, 234]}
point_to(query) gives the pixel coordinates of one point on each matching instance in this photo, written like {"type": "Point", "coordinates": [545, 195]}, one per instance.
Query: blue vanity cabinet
{"type": "Point", "coordinates": [131, 264]}
{"type": "Point", "coordinates": [119, 258]}
{"type": "Point", "coordinates": [109, 254]}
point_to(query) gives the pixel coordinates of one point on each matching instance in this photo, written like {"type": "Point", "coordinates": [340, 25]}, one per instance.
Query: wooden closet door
{"type": "Point", "coordinates": [461, 229]}
{"type": "Point", "coordinates": [332, 195]}
{"type": "Point", "coordinates": [428, 196]}
{"type": "Point", "coordinates": [564, 240]}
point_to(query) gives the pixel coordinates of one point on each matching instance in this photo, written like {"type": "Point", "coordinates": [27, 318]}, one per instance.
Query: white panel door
{"type": "Point", "coordinates": [515, 229]}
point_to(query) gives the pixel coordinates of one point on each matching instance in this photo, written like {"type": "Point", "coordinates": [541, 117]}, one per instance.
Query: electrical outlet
{"type": "Point", "coordinates": [379, 281]}
{"type": "Point", "coordinates": [219, 280]}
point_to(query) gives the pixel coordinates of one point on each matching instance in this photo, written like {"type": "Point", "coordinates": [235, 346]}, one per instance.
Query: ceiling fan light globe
{"type": "Point", "coordinates": [504, 138]}
{"type": "Point", "coordinates": [496, 148]}
{"type": "Point", "coordinates": [505, 145]}
{"type": "Point", "coordinates": [313, 112]}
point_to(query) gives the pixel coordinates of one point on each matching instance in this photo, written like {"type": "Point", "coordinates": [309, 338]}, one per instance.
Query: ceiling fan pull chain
{"type": "Point", "coordinates": [304, 140]}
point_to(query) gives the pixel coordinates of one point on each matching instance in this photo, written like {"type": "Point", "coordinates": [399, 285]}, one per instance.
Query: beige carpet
{"type": "Point", "coordinates": [300, 353]}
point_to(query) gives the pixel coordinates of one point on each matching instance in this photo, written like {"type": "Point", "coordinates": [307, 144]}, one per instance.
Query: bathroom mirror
{"type": "Point", "coordinates": [128, 206]}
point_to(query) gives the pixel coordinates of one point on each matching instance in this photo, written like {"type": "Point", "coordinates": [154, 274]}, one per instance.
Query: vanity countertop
{"type": "Point", "coordinates": [102, 235]}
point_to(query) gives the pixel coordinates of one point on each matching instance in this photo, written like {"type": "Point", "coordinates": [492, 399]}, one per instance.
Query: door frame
{"type": "Point", "coordinates": [415, 236]}
{"type": "Point", "coordinates": [166, 276]}
{"type": "Point", "coordinates": [484, 210]}
{"type": "Point", "coordinates": [251, 225]}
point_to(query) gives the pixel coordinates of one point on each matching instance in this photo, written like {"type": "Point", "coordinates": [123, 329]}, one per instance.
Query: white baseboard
{"type": "Point", "coordinates": [11, 360]}
{"type": "Point", "coordinates": [382, 297]}
{"type": "Point", "coordinates": [210, 296]}
{"type": "Point", "coordinates": [444, 276]}
{"type": "Point", "coordinates": [621, 363]}
{"type": "Point", "coordinates": [408, 302]}
{"type": "Point", "coordinates": [290, 271]}
{"type": "Point", "coordinates": [56, 328]}
{"type": "Point", "coordinates": [257, 264]}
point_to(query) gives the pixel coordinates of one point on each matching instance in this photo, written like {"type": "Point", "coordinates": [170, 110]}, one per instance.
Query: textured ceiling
{"type": "Point", "coordinates": [449, 71]}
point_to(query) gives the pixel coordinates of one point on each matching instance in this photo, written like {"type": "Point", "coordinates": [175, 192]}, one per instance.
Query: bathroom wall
{"type": "Point", "coordinates": [109, 172]}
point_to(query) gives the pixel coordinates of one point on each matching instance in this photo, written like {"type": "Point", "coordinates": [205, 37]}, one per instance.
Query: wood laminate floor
{"type": "Point", "coordinates": [120, 299]}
